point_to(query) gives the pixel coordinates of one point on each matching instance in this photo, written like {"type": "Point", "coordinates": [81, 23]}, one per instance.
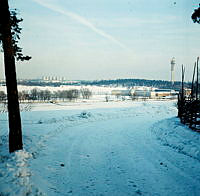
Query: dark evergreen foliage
{"type": "Point", "coordinates": [136, 82]}
{"type": "Point", "coordinates": [118, 82]}
{"type": "Point", "coordinates": [196, 15]}
{"type": "Point", "coordinates": [15, 32]}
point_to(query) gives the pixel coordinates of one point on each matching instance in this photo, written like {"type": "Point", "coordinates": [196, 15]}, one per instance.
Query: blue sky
{"type": "Point", "coordinates": [104, 39]}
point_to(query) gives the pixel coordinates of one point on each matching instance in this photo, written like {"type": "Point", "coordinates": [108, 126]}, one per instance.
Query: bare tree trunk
{"type": "Point", "coordinates": [15, 131]}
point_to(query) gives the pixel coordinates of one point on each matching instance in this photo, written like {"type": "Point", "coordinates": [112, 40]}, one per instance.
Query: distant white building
{"type": "Point", "coordinates": [53, 79]}
{"type": "Point", "coordinates": [152, 93]}
{"type": "Point", "coordinates": [142, 91]}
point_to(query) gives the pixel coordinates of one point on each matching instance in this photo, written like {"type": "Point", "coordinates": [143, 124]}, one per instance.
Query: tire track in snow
{"type": "Point", "coordinates": [81, 119]}
{"type": "Point", "coordinates": [87, 116]}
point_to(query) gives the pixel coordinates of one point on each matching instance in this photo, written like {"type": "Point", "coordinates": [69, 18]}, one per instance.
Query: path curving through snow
{"type": "Point", "coordinates": [127, 150]}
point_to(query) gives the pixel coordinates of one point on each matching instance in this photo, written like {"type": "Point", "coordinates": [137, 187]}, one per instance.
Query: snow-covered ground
{"type": "Point", "coordinates": [101, 148]}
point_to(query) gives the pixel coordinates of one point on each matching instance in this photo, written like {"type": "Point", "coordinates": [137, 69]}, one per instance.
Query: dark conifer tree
{"type": "Point", "coordinates": [196, 15]}
{"type": "Point", "coordinates": [9, 36]}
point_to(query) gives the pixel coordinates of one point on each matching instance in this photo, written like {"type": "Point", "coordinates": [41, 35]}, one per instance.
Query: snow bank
{"type": "Point", "coordinates": [172, 133]}
{"type": "Point", "coordinates": [15, 173]}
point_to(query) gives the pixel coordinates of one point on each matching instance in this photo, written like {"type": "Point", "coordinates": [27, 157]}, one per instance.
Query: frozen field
{"type": "Point", "coordinates": [101, 149]}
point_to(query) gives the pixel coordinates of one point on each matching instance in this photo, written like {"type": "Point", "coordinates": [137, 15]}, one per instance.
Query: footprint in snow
{"type": "Point", "coordinates": [131, 183]}
{"type": "Point", "coordinates": [138, 192]}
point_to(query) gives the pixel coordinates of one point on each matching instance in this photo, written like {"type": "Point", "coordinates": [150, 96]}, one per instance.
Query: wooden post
{"type": "Point", "coordinates": [197, 86]}
{"type": "Point", "coordinates": [183, 75]}
{"type": "Point", "coordinates": [192, 88]}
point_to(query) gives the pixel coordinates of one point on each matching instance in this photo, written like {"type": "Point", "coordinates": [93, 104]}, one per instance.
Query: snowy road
{"type": "Point", "coordinates": [113, 151]}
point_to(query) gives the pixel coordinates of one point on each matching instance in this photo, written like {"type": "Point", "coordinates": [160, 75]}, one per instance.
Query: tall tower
{"type": "Point", "coordinates": [172, 70]}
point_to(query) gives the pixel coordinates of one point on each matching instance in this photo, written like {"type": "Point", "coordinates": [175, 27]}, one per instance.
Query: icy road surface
{"type": "Point", "coordinates": [135, 148]}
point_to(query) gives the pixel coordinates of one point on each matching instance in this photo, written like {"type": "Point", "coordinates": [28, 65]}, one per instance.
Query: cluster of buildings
{"type": "Point", "coordinates": [145, 92]}
{"type": "Point", "coordinates": [149, 92]}
{"type": "Point", "coordinates": [57, 79]}
{"type": "Point", "coordinates": [53, 79]}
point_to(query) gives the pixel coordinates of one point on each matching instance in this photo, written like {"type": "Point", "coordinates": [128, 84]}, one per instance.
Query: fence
{"type": "Point", "coordinates": [189, 103]}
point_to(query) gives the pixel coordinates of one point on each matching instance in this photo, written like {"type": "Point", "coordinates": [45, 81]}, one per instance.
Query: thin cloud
{"type": "Point", "coordinates": [82, 21]}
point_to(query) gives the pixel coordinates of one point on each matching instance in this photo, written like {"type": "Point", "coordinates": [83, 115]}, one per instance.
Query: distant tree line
{"type": "Point", "coordinates": [118, 82]}
{"type": "Point", "coordinates": [137, 82]}
{"type": "Point", "coordinates": [46, 95]}
{"type": "Point", "coordinates": [37, 82]}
